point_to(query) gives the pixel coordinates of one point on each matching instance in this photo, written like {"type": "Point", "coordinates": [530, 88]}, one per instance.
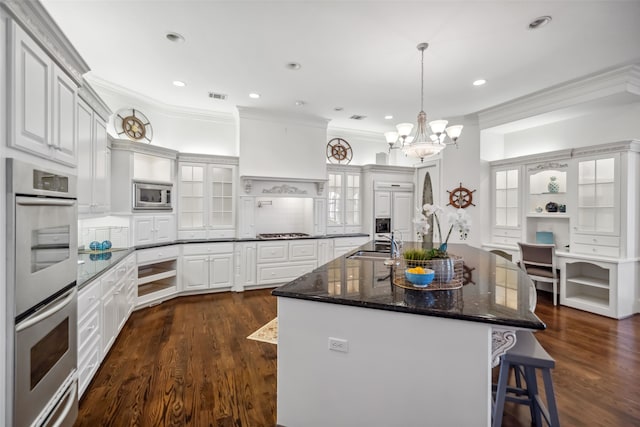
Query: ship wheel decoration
{"type": "Point", "coordinates": [134, 125]}
{"type": "Point", "coordinates": [339, 151]}
{"type": "Point", "coordinates": [461, 198]}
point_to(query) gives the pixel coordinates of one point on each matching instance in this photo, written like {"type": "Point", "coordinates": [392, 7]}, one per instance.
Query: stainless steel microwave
{"type": "Point", "coordinates": [152, 196]}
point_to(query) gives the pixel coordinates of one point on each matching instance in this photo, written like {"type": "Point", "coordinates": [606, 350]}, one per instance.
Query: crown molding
{"type": "Point", "coordinates": [208, 158]}
{"type": "Point", "coordinates": [139, 147]}
{"type": "Point", "coordinates": [37, 22]}
{"type": "Point", "coordinates": [388, 169]}
{"type": "Point", "coordinates": [161, 107]}
{"type": "Point", "coordinates": [361, 135]}
{"type": "Point", "coordinates": [620, 81]}
{"type": "Point", "coordinates": [89, 95]}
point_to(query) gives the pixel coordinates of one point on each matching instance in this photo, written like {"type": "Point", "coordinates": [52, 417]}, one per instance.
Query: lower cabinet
{"type": "Point", "coordinates": [103, 308]}
{"type": "Point", "coordinates": [282, 261]}
{"type": "Point", "coordinates": [342, 245]}
{"type": "Point", "coordinates": [207, 266]}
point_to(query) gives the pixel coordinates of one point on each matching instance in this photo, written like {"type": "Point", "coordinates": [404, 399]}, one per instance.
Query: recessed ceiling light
{"type": "Point", "coordinates": [539, 22]}
{"type": "Point", "coordinates": [300, 103]}
{"type": "Point", "coordinates": [479, 82]}
{"type": "Point", "coordinates": [293, 66]}
{"type": "Point", "coordinates": [389, 117]}
{"type": "Point", "coordinates": [174, 37]}
{"type": "Point", "coordinates": [179, 83]}
{"type": "Point", "coordinates": [254, 95]}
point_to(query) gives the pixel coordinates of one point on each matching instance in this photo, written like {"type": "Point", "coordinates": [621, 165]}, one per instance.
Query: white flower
{"type": "Point", "coordinates": [431, 209]}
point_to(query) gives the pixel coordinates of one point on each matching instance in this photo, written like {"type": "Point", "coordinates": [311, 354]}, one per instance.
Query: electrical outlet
{"type": "Point", "coordinates": [337, 344]}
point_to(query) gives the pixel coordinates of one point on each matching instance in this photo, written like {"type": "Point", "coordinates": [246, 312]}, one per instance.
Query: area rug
{"type": "Point", "coordinates": [267, 333]}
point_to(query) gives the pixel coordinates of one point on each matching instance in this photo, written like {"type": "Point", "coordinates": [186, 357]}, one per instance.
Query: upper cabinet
{"type": "Point", "coordinates": [598, 192]}
{"type": "Point", "coordinates": [207, 197]}
{"type": "Point", "coordinates": [344, 200]}
{"type": "Point", "coordinates": [94, 168]}
{"type": "Point", "coordinates": [506, 184]}
{"type": "Point", "coordinates": [42, 102]}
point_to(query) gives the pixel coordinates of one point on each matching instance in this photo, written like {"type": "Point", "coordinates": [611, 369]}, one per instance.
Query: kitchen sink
{"type": "Point", "coordinates": [371, 255]}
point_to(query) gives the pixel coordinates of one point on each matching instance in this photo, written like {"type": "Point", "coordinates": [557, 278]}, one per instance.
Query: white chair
{"type": "Point", "coordinates": [539, 262]}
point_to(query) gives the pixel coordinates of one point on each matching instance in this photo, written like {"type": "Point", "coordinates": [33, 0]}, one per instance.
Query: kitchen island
{"type": "Point", "coordinates": [356, 349]}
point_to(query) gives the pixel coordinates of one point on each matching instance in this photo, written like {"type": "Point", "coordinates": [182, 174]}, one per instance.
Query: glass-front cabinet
{"type": "Point", "coordinates": [506, 205]}
{"type": "Point", "coordinates": [206, 200]}
{"type": "Point", "coordinates": [598, 196]}
{"type": "Point", "coordinates": [344, 202]}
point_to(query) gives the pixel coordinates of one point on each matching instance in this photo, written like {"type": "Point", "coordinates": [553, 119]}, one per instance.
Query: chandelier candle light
{"type": "Point", "coordinates": [424, 142]}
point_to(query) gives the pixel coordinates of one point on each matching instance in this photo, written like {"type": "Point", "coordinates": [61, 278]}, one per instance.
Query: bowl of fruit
{"type": "Point", "coordinates": [419, 276]}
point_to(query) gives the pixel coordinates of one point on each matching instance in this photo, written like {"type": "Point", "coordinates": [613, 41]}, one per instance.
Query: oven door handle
{"type": "Point", "coordinates": [44, 202]}
{"type": "Point", "coordinates": [70, 401]}
{"type": "Point", "coordinates": [47, 313]}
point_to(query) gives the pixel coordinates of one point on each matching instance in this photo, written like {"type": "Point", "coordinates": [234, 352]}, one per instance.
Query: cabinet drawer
{"type": "Point", "coordinates": [348, 229]}
{"type": "Point", "coordinates": [88, 328]}
{"type": "Point", "coordinates": [350, 242]}
{"type": "Point", "coordinates": [88, 297]}
{"type": "Point", "coordinates": [272, 252]}
{"type": "Point", "coordinates": [507, 232]}
{"type": "Point", "coordinates": [221, 234]}
{"type": "Point", "coordinates": [593, 240]}
{"type": "Point", "coordinates": [610, 251]}
{"type": "Point", "coordinates": [155, 254]}
{"type": "Point", "coordinates": [283, 273]}
{"type": "Point", "coordinates": [303, 250]}
{"type": "Point", "coordinates": [207, 248]}
{"type": "Point", "coordinates": [192, 234]}
{"type": "Point", "coordinates": [88, 366]}
{"type": "Point", "coordinates": [108, 282]}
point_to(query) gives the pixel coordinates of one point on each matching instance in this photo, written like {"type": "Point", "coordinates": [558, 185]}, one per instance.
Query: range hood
{"type": "Point", "coordinates": [282, 154]}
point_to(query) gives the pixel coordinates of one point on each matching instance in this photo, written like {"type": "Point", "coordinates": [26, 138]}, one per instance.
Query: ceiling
{"type": "Point", "coordinates": [360, 56]}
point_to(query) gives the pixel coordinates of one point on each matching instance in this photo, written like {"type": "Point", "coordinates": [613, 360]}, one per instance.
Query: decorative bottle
{"type": "Point", "coordinates": [553, 185]}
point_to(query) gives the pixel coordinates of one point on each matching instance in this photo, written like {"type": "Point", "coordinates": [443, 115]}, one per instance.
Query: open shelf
{"type": "Point", "coordinates": [150, 288]}
{"type": "Point", "coordinates": [589, 281]}
{"type": "Point", "coordinates": [559, 215]}
{"type": "Point", "coordinates": [590, 300]}
{"type": "Point", "coordinates": [152, 273]}
{"type": "Point", "coordinates": [159, 277]}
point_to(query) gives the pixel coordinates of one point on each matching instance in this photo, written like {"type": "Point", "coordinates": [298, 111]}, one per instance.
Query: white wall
{"type": "Point", "coordinates": [610, 125]}
{"type": "Point", "coordinates": [463, 165]}
{"type": "Point", "coordinates": [187, 131]}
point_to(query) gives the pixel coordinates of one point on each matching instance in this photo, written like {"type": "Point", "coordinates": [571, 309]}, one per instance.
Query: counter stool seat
{"type": "Point", "coordinates": [525, 357]}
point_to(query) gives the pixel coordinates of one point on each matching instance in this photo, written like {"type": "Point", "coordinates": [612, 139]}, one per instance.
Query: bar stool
{"type": "Point", "coordinates": [526, 357]}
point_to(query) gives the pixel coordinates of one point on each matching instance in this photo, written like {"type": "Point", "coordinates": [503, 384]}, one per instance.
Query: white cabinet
{"type": "Point", "coordinates": [246, 217]}
{"type": "Point", "coordinates": [206, 200]}
{"type": "Point", "coordinates": [89, 333]}
{"type": "Point", "coordinates": [596, 227]}
{"type": "Point", "coordinates": [93, 161]}
{"type": "Point", "coordinates": [505, 182]}
{"type": "Point", "coordinates": [282, 261]}
{"type": "Point", "coordinates": [246, 258]}
{"type": "Point", "coordinates": [325, 251]}
{"type": "Point", "coordinates": [207, 266]}
{"type": "Point", "coordinates": [149, 229]}
{"type": "Point", "coordinates": [382, 204]}
{"type": "Point", "coordinates": [344, 200]}
{"type": "Point", "coordinates": [42, 102]}
{"type": "Point", "coordinates": [402, 214]}
{"type": "Point", "coordinates": [344, 245]}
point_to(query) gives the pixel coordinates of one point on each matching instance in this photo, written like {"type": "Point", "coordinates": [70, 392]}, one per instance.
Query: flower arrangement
{"type": "Point", "coordinates": [457, 219]}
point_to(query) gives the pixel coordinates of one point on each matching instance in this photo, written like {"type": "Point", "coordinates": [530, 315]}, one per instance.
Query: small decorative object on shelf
{"type": "Point", "coordinates": [553, 185]}
{"type": "Point", "coordinates": [551, 207]}
{"type": "Point", "coordinates": [539, 209]}
{"type": "Point", "coordinates": [562, 208]}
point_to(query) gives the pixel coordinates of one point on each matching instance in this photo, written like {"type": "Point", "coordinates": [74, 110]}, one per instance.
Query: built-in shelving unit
{"type": "Point", "coordinates": [156, 277]}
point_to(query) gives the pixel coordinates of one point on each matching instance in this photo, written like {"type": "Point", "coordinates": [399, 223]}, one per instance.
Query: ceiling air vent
{"type": "Point", "coordinates": [220, 96]}
{"type": "Point", "coordinates": [358, 117]}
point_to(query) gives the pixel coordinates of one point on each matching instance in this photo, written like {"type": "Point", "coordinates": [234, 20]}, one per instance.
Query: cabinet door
{"type": "Point", "coordinates": [120, 295]}
{"type": "Point", "coordinates": [195, 272]}
{"type": "Point", "coordinates": [352, 200]}
{"type": "Point", "coordinates": [334, 200]}
{"type": "Point", "coordinates": [109, 320]}
{"type": "Point", "coordinates": [220, 270]}
{"type": "Point", "coordinates": [598, 209]}
{"type": "Point", "coordinates": [143, 229]}
{"type": "Point", "coordinates": [319, 217]}
{"type": "Point", "coordinates": [164, 228]}
{"type": "Point", "coordinates": [191, 209]}
{"type": "Point", "coordinates": [382, 204]}
{"type": "Point", "coordinates": [247, 227]}
{"type": "Point", "coordinates": [401, 218]}
{"type": "Point", "coordinates": [247, 263]}
{"type": "Point", "coordinates": [85, 156]}
{"type": "Point", "coordinates": [506, 198]}
{"type": "Point", "coordinates": [64, 114]}
{"type": "Point", "coordinates": [31, 92]}
{"type": "Point", "coordinates": [101, 168]}
{"type": "Point", "coordinates": [221, 194]}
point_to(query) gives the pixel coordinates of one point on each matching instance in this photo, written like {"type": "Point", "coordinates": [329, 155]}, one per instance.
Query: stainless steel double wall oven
{"type": "Point", "coordinates": [42, 246]}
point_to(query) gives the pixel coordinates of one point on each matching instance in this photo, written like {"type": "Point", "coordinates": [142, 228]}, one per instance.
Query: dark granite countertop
{"type": "Point", "coordinates": [495, 290]}
{"type": "Point", "coordinates": [93, 265]}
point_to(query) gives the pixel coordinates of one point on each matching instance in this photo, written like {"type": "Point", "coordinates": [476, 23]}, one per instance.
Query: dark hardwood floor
{"type": "Point", "coordinates": [188, 362]}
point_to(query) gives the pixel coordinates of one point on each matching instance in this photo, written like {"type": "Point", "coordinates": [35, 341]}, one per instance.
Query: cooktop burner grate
{"type": "Point", "coordinates": [267, 236]}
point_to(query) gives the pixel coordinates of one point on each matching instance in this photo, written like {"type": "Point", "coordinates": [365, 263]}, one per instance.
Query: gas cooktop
{"type": "Point", "coordinates": [273, 236]}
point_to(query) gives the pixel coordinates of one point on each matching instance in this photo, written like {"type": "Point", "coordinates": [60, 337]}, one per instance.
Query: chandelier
{"type": "Point", "coordinates": [428, 140]}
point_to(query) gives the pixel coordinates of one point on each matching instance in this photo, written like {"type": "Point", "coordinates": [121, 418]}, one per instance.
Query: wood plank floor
{"type": "Point", "coordinates": [188, 362]}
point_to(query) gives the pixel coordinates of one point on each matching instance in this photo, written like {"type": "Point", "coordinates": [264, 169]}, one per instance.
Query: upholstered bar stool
{"type": "Point", "coordinates": [526, 357]}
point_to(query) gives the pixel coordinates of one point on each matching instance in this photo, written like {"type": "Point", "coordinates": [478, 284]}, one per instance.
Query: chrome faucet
{"type": "Point", "coordinates": [394, 250]}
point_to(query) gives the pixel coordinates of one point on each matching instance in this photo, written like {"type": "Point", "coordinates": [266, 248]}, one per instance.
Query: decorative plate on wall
{"type": "Point", "coordinates": [134, 125]}
{"type": "Point", "coordinates": [339, 151]}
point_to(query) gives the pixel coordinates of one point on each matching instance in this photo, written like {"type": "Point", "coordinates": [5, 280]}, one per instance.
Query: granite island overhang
{"type": "Point", "coordinates": [356, 349]}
